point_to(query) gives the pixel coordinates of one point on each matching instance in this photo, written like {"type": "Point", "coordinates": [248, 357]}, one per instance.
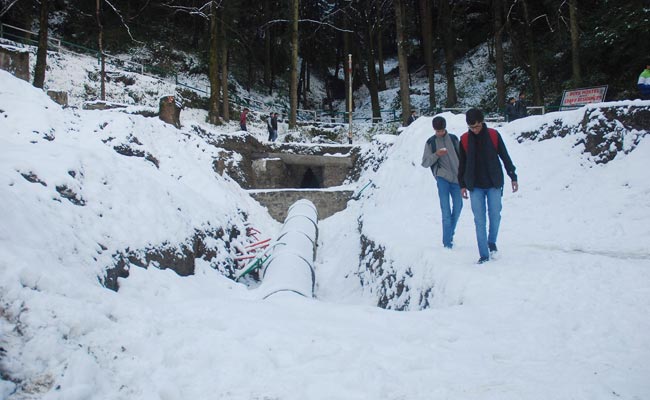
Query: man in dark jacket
{"type": "Point", "coordinates": [272, 126]}
{"type": "Point", "coordinates": [480, 176]}
{"type": "Point", "coordinates": [521, 107]}
{"type": "Point", "coordinates": [441, 155]}
{"type": "Point", "coordinates": [511, 110]}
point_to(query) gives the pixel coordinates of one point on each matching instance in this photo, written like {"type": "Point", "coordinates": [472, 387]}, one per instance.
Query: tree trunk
{"type": "Point", "coordinates": [380, 55]}
{"type": "Point", "coordinates": [293, 112]}
{"type": "Point", "coordinates": [532, 58]}
{"type": "Point", "coordinates": [224, 68]}
{"type": "Point", "coordinates": [575, 42]}
{"type": "Point", "coordinates": [498, 53]}
{"type": "Point", "coordinates": [102, 59]}
{"type": "Point", "coordinates": [301, 83]}
{"type": "Point", "coordinates": [405, 96]}
{"type": "Point", "coordinates": [373, 88]}
{"type": "Point", "coordinates": [427, 49]}
{"type": "Point", "coordinates": [448, 44]}
{"type": "Point", "coordinates": [41, 55]}
{"type": "Point", "coordinates": [213, 67]}
{"type": "Point", "coordinates": [346, 68]}
{"type": "Point", "coordinates": [267, 48]}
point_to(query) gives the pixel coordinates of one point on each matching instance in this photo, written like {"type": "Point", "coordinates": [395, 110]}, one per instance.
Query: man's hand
{"type": "Point", "coordinates": [515, 186]}
{"type": "Point", "coordinates": [464, 193]}
{"type": "Point", "coordinates": [441, 152]}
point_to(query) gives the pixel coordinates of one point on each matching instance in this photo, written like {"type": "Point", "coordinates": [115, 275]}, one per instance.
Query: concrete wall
{"type": "Point", "coordinates": [327, 202]}
{"type": "Point", "coordinates": [276, 173]}
{"type": "Point", "coordinates": [15, 60]}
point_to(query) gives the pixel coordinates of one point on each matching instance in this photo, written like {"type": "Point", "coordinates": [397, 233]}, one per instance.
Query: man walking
{"type": "Point", "coordinates": [480, 176]}
{"type": "Point", "coordinates": [242, 119]}
{"type": "Point", "coordinates": [521, 107]}
{"type": "Point", "coordinates": [441, 155]}
{"type": "Point", "coordinates": [272, 126]}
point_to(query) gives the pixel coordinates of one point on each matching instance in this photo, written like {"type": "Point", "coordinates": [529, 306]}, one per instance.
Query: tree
{"type": "Point", "coordinates": [380, 55]}
{"type": "Point", "coordinates": [575, 45]}
{"type": "Point", "coordinates": [533, 66]}
{"type": "Point", "coordinates": [213, 66]}
{"type": "Point", "coordinates": [268, 71]}
{"type": "Point", "coordinates": [497, 10]}
{"type": "Point", "coordinates": [427, 48]}
{"type": "Point", "coordinates": [293, 108]}
{"type": "Point", "coordinates": [100, 42]}
{"type": "Point", "coordinates": [403, 64]}
{"type": "Point", "coordinates": [448, 38]}
{"type": "Point", "coordinates": [224, 66]}
{"type": "Point", "coordinates": [373, 86]}
{"type": "Point", "coordinates": [41, 55]}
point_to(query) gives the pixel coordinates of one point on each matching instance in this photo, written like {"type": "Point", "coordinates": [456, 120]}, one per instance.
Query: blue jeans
{"type": "Point", "coordinates": [479, 197]}
{"type": "Point", "coordinates": [446, 190]}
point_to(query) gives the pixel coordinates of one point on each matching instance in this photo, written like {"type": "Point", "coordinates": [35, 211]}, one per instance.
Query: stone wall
{"type": "Point", "coordinates": [15, 61]}
{"type": "Point", "coordinates": [327, 202]}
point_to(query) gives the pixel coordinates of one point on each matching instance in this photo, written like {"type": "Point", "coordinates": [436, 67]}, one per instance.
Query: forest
{"type": "Point", "coordinates": [278, 45]}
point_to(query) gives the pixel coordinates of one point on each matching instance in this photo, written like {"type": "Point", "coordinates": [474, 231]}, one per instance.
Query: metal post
{"type": "Point", "coordinates": [350, 98]}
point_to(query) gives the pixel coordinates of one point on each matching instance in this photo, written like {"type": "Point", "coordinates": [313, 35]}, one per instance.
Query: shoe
{"type": "Point", "coordinates": [483, 260]}
{"type": "Point", "coordinates": [448, 246]}
{"type": "Point", "coordinates": [492, 247]}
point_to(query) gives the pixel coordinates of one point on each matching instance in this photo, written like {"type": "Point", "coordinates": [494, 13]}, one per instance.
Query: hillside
{"type": "Point", "coordinates": [561, 313]}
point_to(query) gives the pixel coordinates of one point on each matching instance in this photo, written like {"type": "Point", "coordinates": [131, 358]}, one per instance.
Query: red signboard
{"type": "Point", "coordinates": [572, 99]}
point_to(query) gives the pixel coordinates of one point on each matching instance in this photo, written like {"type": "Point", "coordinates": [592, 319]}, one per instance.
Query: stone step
{"type": "Point", "coordinates": [277, 201]}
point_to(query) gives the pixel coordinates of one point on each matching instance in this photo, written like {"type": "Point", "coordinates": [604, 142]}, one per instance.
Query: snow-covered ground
{"type": "Point", "coordinates": [561, 314]}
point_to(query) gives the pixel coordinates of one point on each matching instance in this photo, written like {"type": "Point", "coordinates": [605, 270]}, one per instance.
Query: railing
{"type": "Point", "coordinates": [12, 32]}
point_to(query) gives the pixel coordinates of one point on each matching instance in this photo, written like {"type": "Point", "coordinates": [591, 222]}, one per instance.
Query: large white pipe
{"type": "Point", "coordinates": [290, 267]}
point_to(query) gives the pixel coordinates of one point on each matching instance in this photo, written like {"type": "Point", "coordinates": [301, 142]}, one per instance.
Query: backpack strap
{"type": "Point", "coordinates": [432, 142]}
{"type": "Point", "coordinates": [454, 141]}
{"type": "Point", "coordinates": [494, 137]}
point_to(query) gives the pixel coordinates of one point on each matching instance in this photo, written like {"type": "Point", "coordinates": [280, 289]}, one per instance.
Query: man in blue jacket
{"type": "Point", "coordinates": [480, 176]}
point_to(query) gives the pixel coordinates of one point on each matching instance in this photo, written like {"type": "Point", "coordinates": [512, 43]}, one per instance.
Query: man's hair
{"type": "Point", "coordinates": [439, 123]}
{"type": "Point", "coordinates": [473, 115]}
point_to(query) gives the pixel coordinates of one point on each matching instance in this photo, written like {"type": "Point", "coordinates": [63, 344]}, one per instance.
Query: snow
{"type": "Point", "coordinates": [562, 313]}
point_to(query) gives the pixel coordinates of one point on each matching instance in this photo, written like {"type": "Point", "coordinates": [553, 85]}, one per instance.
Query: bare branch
{"type": "Point", "coordinates": [203, 11]}
{"type": "Point", "coordinates": [321, 23]}
{"type": "Point", "coordinates": [122, 19]}
{"type": "Point", "coordinates": [6, 6]}
{"type": "Point", "coordinates": [545, 16]}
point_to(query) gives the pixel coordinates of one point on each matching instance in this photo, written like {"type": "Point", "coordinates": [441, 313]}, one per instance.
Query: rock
{"type": "Point", "coordinates": [170, 111]}
{"type": "Point", "coordinates": [59, 97]}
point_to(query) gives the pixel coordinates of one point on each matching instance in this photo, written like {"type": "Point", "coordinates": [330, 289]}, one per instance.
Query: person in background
{"type": "Point", "coordinates": [521, 108]}
{"type": "Point", "coordinates": [272, 126]}
{"type": "Point", "coordinates": [644, 82]}
{"type": "Point", "coordinates": [480, 176]}
{"type": "Point", "coordinates": [441, 155]}
{"type": "Point", "coordinates": [511, 110]}
{"type": "Point", "coordinates": [412, 118]}
{"type": "Point", "coordinates": [242, 119]}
